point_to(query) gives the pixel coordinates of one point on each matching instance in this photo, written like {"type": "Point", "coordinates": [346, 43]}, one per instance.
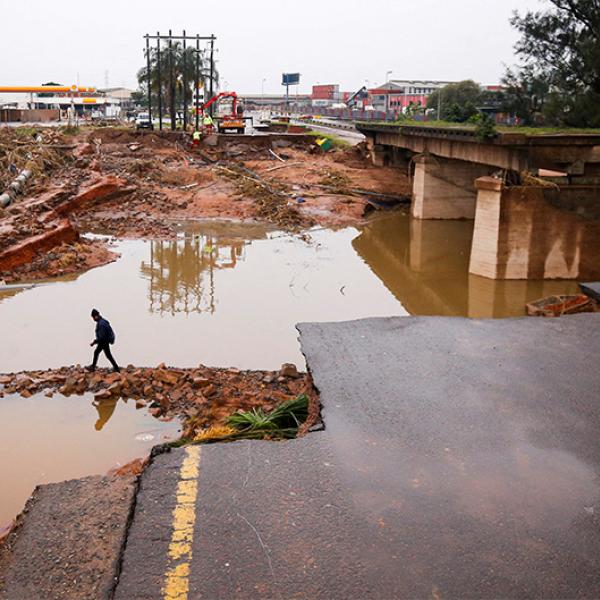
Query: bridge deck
{"type": "Point", "coordinates": [467, 134]}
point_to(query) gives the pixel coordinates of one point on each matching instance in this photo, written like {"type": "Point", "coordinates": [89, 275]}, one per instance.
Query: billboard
{"type": "Point", "coordinates": [290, 79]}
{"type": "Point", "coordinates": [326, 92]}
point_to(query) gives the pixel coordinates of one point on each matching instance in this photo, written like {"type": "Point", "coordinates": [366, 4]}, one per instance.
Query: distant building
{"type": "Point", "coordinates": [325, 95]}
{"type": "Point", "coordinates": [117, 92]}
{"type": "Point", "coordinates": [397, 94]}
{"type": "Point", "coordinates": [120, 94]}
{"type": "Point", "coordinates": [107, 103]}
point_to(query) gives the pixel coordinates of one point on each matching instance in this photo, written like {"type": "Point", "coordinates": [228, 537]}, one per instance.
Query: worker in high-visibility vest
{"type": "Point", "coordinates": [196, 136]}
{"type": "Point", "coordinates": [208, 123]}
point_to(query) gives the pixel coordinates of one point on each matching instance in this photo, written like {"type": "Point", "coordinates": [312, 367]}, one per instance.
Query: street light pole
{"type": "Point", "coordinates": [212, 73]}
{"type": "Point", "coordinates": [387, 95]}
{"type": "Point", "coordinates": [149, 78]}
{"type": "Point", "coordinates": [185, 84]}
{"type": "Point", "coordinates": [262, 90]}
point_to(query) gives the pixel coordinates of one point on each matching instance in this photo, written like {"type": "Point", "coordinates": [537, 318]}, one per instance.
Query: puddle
{"type": "Point", "coordinates": [45, 440]}
{"type": "Point", "coordinates": [231, 294]}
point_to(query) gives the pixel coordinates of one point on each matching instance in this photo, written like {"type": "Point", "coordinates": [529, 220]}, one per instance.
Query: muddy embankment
{"type": "Point", "coordinates": [129, 184]}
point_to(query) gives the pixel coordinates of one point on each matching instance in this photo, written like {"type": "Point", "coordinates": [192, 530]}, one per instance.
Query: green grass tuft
{"type": "Point", "coordinates": [288, 415]}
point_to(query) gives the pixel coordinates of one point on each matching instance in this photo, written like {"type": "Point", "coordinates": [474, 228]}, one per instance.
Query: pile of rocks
{"type": "Point", "coordinates": [201, 396]}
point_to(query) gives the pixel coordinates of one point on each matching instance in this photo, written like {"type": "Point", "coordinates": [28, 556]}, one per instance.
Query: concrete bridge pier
{"type": "Point", "coordinates": [535, 232]}
{"type": "Point", "coordinates": [388, 156]}
{"type": "Point", "coordinates": [445, 188]}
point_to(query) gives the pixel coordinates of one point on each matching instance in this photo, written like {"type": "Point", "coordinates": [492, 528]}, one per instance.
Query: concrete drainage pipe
{"type": "Point", "coordinates": [15, 187]}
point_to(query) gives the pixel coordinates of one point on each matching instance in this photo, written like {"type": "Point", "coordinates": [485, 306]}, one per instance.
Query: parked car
{"type": "Point", "coordinates": [143, 121]}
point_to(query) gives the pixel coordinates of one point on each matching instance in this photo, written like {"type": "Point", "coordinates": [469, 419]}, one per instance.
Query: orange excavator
{"type": "Point", "coordinates": [230, 114]}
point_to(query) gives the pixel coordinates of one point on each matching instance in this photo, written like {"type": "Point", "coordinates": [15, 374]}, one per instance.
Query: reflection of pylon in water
{"type": "Point", "coordinates": [181, 272]}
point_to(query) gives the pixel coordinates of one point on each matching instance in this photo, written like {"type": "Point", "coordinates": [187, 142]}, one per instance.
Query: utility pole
{"type": "Point", "coordinates": [159, 80]}
{"type": "Point", "coordinates": [148, 78]}
{"type": "Point", "coordinates": [387, 95]}
{"type": "Point", "coordinates": [171, 84]}
{"type": "Point", "coordinates": [197, 84]}
{"type": "Point", "coordinates": [185, 83]}
{"type": "Point", "coordinates": [212, 71]}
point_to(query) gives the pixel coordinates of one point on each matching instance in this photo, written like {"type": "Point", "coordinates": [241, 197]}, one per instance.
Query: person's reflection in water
{"type": "Point", "coordinates": [105, 409]}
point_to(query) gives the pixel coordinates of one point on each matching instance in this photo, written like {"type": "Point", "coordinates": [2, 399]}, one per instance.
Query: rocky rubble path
{"type": "Point", "coordinates": [200, 397]}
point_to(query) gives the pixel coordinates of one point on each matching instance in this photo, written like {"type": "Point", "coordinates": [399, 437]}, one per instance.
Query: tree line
{"type": "Point", "coordinates": [557, 82]}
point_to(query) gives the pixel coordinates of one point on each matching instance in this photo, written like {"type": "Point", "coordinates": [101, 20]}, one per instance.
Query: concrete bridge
{"type": "Point", "coordinates": [535, 199]}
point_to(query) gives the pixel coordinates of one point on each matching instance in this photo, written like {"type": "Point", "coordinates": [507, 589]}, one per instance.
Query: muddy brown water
{"type": "Point", "coordinates": [230, 295]}
{"type": "Point", "coordinates": [45, 440]}
{"type": "Point", "coordinates": [224, 294]}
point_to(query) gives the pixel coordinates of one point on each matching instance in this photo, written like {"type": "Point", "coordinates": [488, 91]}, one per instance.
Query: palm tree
{"type": "Point", "coordinates": [182, 64]}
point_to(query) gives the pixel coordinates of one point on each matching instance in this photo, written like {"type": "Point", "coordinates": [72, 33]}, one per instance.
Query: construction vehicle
{"type": "Point", "coordinates": [230, 113]}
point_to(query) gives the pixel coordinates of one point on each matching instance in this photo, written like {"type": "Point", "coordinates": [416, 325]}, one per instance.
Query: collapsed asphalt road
{"type": "Point", "coordinates": [460, 458]}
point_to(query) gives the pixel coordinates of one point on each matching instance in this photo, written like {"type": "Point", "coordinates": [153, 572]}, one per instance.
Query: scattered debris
{"type": "Point", "coordinates": [271, 198]}
{"type": "Point", "coordinates": [276, 156]}
{"type": "Point", "coordinates": [35, 150]}
{"type": "Point", "coordinates": [557, 306]}
{"type": "Point", "coordinates": [133, 184]}
{"type": "Point", "coordinates": [61, 260]}
{"type": "Point", "coordinates": [335, 180]}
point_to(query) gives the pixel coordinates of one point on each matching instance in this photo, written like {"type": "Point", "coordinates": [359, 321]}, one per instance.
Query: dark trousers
{"type": "Point", "coordinates": [104, 347]}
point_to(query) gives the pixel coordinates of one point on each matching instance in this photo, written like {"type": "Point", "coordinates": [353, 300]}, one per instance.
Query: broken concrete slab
{"type": "Point", "coordinates": [301, 546]}
{"type": "Point", "coordinates": [103, 189]}
{"type": "Point", "coordinates": [68, 540]}
{"type": "Point", "coordinates": [145, 555]}
{"type": "Point", "coordinates": [24, 252]}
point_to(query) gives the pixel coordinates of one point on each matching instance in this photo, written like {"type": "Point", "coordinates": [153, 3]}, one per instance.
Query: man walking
{"type": "Point", "coordinates": [104, 337]}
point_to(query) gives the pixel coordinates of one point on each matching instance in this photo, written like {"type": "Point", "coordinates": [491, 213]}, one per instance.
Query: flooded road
{"type": "Point", "coordinates": [230, 294]}
{"type": "Point", "coordinates": [44, 440]}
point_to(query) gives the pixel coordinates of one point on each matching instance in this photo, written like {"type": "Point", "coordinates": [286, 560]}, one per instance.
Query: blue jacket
{"type": "Point", "coordinates": [104, 332]}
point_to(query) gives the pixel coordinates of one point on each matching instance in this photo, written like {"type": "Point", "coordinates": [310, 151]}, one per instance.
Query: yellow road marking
{"type": "Point", "coordinates": [177, 584]}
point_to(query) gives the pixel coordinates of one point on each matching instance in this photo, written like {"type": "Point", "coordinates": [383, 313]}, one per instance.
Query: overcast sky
{"type": "Point", "coordinates": [328, 41]}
